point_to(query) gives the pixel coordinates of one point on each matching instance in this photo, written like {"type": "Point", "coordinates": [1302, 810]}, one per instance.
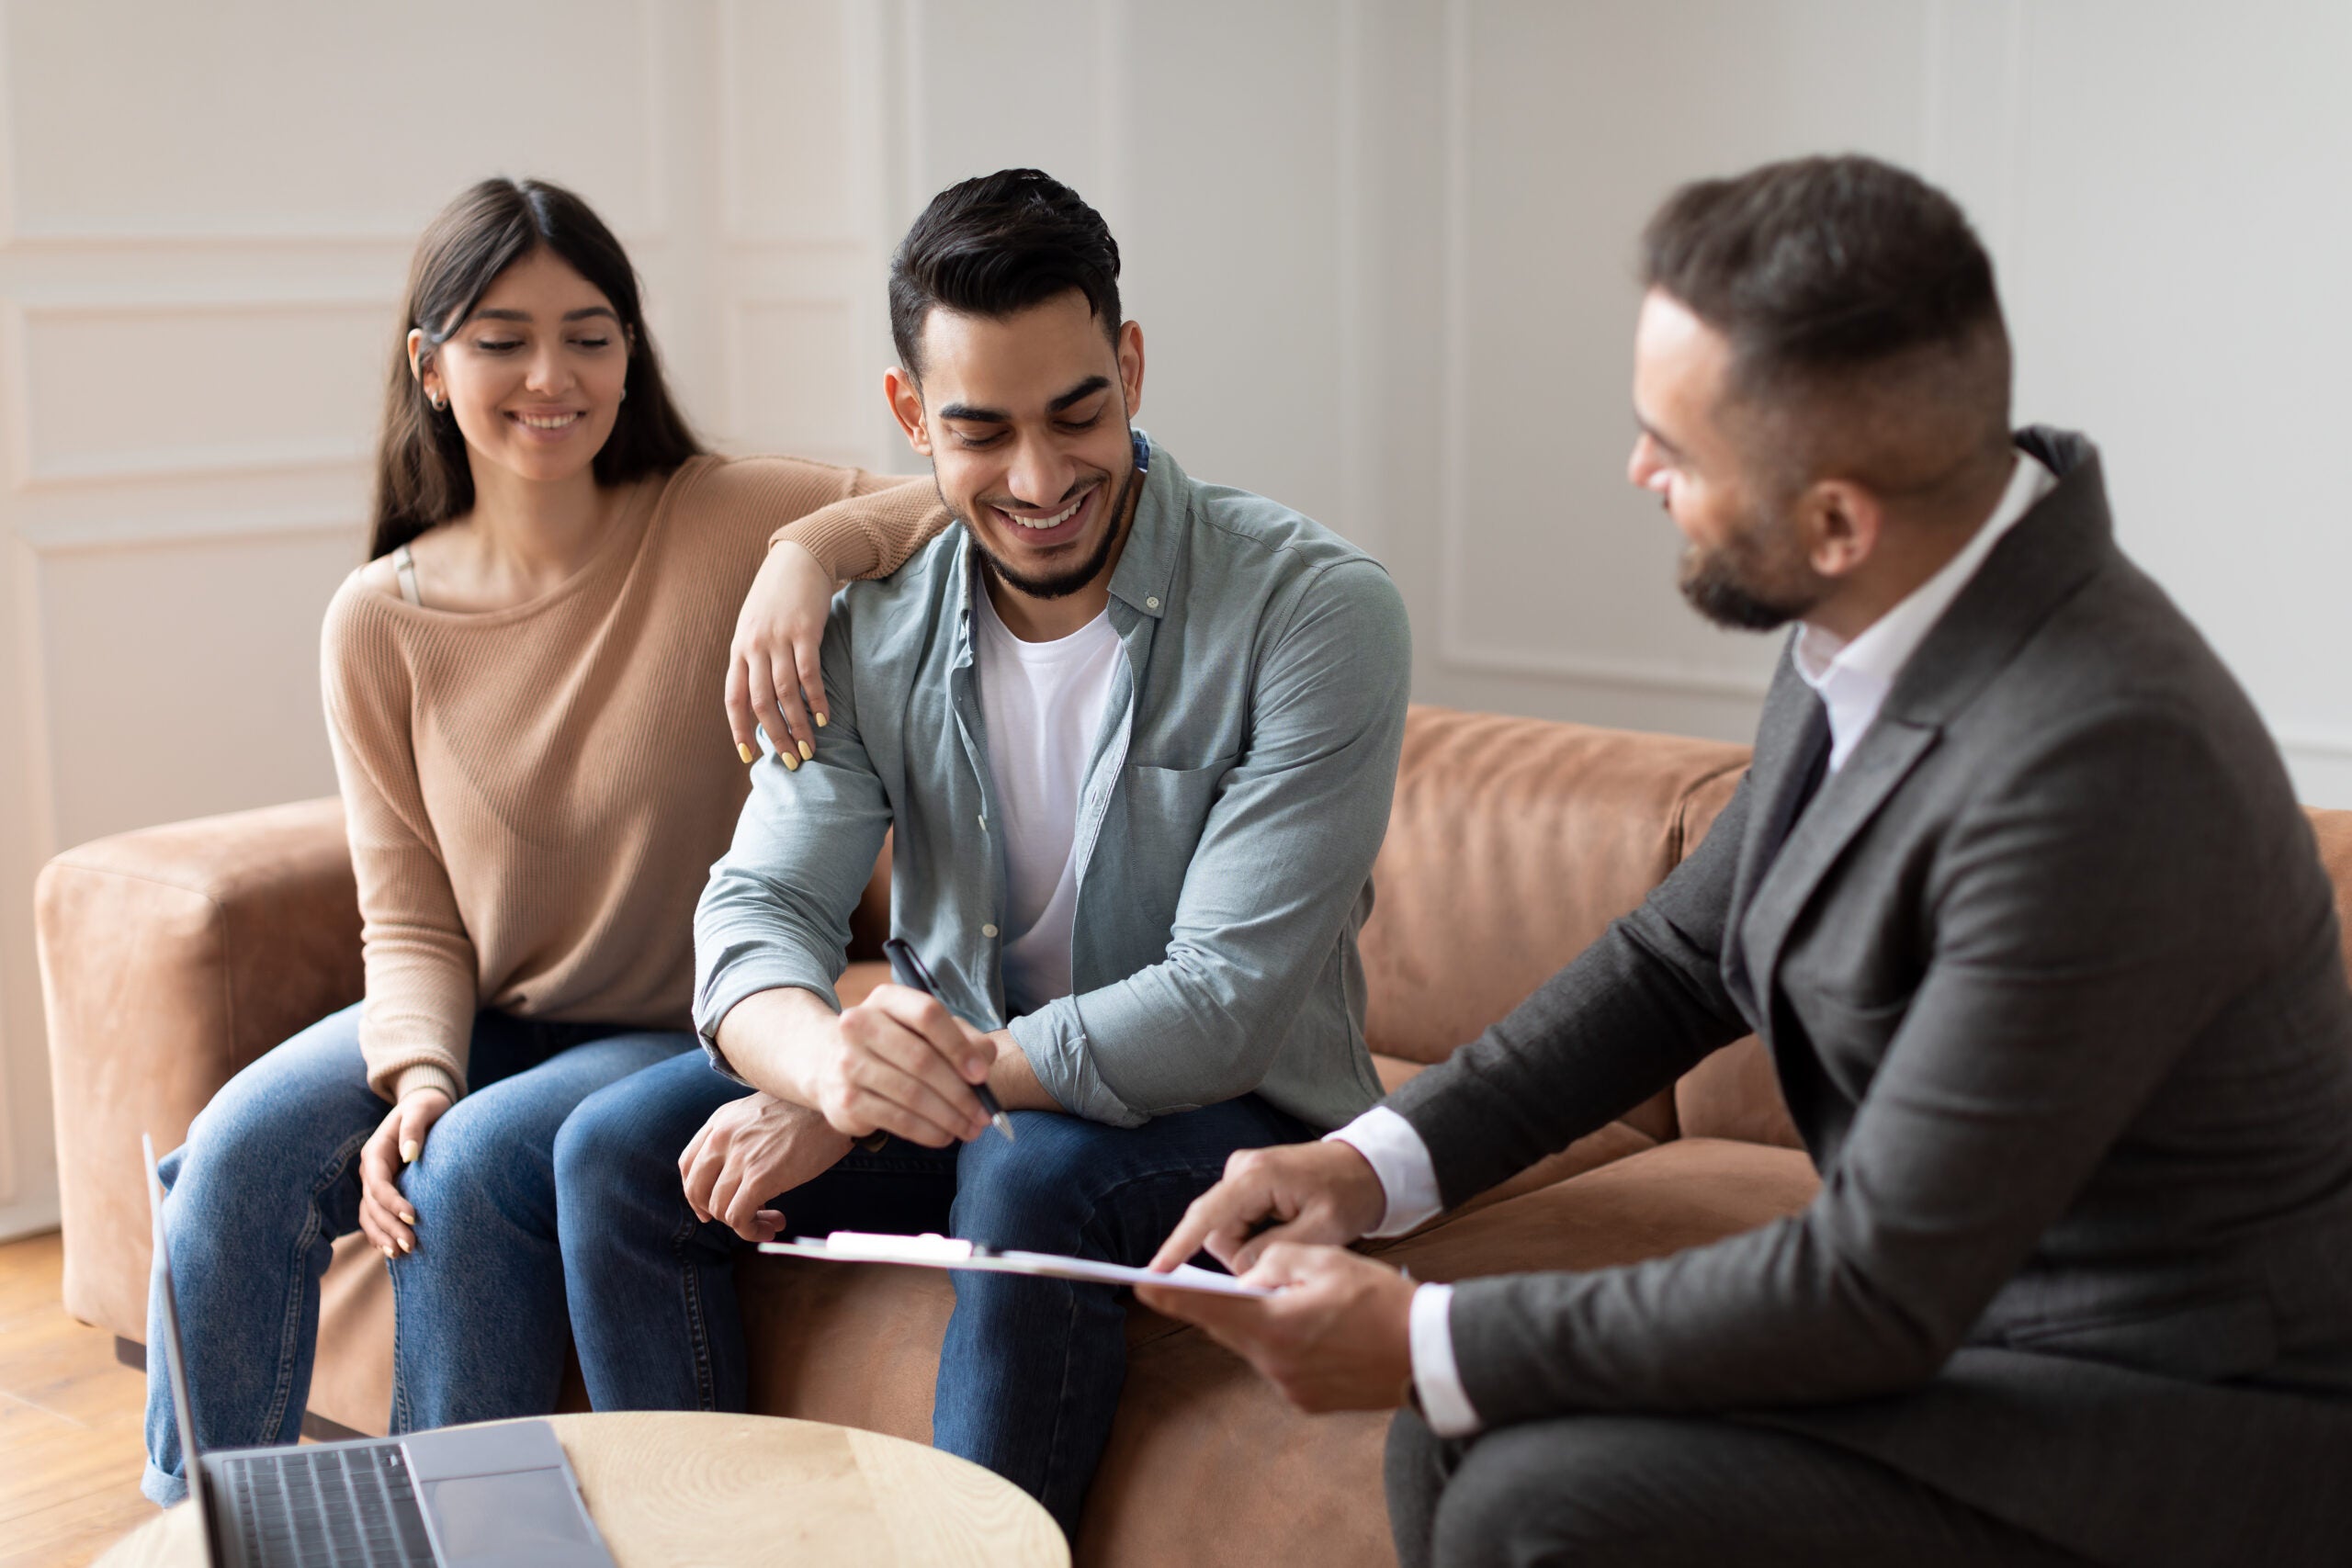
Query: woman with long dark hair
{"type": "Point", "coordinates": [520, 688]}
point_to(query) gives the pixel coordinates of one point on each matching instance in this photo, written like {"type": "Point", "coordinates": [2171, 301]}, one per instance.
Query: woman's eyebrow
{"type": "Point", "coordinates": [496, 313]}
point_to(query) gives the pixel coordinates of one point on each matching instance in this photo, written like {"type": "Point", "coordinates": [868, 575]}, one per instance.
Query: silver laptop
{"type": "Point", "coordinates": [463, 1497]}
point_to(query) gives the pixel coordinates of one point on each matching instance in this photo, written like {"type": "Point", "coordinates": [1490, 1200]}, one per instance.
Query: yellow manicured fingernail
{"type": "Point", "coordinates": [791, 762]}
{"type": "Point", "coordinates": [807, 752]}
{"type": "Point", "coordinates": [820, 721]}
{"type": "Point", "coordinates": [407, 1245]}
{"type": "Point", "coordinates": [410, 1149]}
{"type": "Point", "coordinates": [746, 752]}
{"type": "Point", "coordinates": [407, 1219]}
{"type": "Point", "coordinates": [387, 1253]}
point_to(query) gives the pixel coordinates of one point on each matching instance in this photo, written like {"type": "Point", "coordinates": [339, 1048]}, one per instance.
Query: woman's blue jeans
{"type": "Point", "coordinates": [269, 1178]}
{"type": "Point", "coordinates": [1030, 1373]}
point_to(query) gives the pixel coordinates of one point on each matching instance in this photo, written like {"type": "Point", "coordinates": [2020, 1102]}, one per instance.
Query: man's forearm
{"type": "Point", "coordinates": [1013, 1081]}
{"type": "Point", "coordinates": [766, 1036]}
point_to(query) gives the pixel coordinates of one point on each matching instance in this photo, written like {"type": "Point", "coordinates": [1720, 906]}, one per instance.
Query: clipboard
{"type": "Point", "coordinates": [933, 1251]}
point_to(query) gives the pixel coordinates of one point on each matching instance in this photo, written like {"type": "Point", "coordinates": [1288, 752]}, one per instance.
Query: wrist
{"type": "Point", "coordinates": [776, 1041]}
{"type": "Point", "coordinates": [1359, 1201]}
{"type": "Point", "coordinates": [424, 1078]}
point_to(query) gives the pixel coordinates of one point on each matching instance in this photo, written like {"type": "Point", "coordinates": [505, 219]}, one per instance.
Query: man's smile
{"type": "Point", "coordinates": [1053, 527]}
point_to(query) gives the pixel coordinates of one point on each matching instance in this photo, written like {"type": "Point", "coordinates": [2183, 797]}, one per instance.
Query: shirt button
{"type": "Point", "coordinates": [988, 931]}
{"type": "Point", "coordinates": [1152, 604]}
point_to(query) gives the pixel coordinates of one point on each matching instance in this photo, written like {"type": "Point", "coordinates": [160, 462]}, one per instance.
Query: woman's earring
{"type": "Point", "coordinates": [438, 400]}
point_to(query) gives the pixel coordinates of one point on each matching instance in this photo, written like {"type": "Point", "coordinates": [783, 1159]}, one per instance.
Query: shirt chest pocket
{"type": "Point", "coordinates": [1166, 810]}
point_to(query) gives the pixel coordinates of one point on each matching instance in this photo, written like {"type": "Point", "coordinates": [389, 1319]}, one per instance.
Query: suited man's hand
{"type": "Point", "coordinates": [1339, 1336]}
{"type": "Point", "coordinates": [1320, 1193]}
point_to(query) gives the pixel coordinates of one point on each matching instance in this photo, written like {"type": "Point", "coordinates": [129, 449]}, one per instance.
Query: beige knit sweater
{"type": "Point", "coordinates": [534, 796]}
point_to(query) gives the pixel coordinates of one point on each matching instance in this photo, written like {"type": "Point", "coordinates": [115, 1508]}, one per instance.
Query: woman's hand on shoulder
{"type": "Point", "coordinates": [385, 1212]}
{"type": "Point", "coordinates": [775, 676]}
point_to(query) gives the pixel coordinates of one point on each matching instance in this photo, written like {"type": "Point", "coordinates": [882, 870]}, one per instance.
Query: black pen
{"type": "Point", "coordinates": [907, 968]}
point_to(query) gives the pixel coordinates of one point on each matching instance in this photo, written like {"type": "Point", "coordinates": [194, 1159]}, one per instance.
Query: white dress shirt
{"type": "Point", "coordinates": [1853, 679]}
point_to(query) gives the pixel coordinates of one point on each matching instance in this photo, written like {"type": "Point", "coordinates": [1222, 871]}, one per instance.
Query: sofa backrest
{"type": "Point", "coordinates": [2333, 831]}
{"type": "Point", "coordinates": [1513, 844]}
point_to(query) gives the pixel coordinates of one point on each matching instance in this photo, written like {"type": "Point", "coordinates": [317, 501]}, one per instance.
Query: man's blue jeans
{"type": "Point", "coordinates": [269, 1178]}
{"type": "Point", "coordinates": [1030, 1373]}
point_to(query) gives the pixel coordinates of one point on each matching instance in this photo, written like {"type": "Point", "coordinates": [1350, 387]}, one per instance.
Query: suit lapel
{"type": "Point", "coordinates": [1848, 799]}
{"type": "Point", "coordinates": [1790, 741]}
{"type": "Point", "coordinates": [2041, 562]}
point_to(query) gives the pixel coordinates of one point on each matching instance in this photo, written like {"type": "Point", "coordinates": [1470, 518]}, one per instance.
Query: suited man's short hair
{"type": "Point", "coordinates": [1854, 295]}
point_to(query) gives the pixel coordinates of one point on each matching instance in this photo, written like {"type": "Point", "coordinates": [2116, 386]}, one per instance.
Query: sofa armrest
{"type": "Point", "coordinates": [170, 957]}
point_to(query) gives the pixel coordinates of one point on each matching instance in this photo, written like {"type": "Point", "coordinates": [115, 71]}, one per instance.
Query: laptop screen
{"type": "Point", "coordinates": [175, 1361]}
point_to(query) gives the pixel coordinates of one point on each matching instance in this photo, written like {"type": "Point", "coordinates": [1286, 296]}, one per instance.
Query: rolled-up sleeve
{"type": "Point", "coordinates": [776, 911]}
{"type": "Point", "coordinates": [1284, 855]}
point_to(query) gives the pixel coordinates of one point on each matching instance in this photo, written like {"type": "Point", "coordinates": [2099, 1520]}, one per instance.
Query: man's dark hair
{"type": "Point", "coordinates": [996, 246]}
{"type": "Point", "coordinates": [1842, 283]}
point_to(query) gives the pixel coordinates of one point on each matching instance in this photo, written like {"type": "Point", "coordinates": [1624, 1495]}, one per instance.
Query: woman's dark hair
{"type": "Point", "coordinates": [422, 474]}
{"type": "Point", "coordinates": [997, 244]}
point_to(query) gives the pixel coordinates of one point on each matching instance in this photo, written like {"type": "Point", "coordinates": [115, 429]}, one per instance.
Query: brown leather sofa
{"type": "Point", "coordinates": [171, 956]}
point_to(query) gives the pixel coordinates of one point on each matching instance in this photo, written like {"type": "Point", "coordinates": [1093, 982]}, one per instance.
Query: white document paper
{"type": "Point", "coordinates": [948, 1252]}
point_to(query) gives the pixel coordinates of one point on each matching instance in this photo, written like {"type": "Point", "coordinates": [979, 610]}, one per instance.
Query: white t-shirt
{"type": "Point", "coordinates": [1042, 703]}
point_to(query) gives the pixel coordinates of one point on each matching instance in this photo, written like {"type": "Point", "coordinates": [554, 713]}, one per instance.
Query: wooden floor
{"type": "Point", "coordinates": [70, 1422]}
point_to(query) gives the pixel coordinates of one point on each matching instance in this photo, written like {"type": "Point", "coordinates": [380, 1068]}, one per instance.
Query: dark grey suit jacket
{"type": "Point", "coordinates": [2051, 976]}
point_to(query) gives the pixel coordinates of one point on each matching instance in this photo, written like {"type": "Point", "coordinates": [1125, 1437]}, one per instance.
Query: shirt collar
{"type": "Point", "coordinates": [1147, 561]}
{"type": "Point", "coordinates": [1853, 677]}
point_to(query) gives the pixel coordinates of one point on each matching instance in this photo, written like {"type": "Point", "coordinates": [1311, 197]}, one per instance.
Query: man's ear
{"type": "Point", "coordinates": [1131, 365]}
{"type": "Point", "coordinates": [1840, 522]}
{"type": "Point", "coordinates": [905, 398]}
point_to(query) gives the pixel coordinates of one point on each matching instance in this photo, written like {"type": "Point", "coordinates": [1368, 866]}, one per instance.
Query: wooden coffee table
{"type": "Point", "coordinates": [670, 1487]}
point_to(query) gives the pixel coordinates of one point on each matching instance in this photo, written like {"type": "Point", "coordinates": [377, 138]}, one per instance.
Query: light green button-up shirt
{"type": "Point", "coordinates": [1234, 801]}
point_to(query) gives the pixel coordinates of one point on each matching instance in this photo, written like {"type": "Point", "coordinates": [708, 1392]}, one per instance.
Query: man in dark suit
{"type": "Point", "coordinates": [2020, 899]}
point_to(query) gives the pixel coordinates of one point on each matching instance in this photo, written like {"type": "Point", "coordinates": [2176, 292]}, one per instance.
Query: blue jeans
{"type": "Point", "coordinates": [269, 1178]}
{"type": "Point", "coordinates": [1029, 1375]}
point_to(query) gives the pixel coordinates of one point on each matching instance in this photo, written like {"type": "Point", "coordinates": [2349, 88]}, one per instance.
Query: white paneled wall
{"type": "Point", "coordinates": [205, 215]}
{"type": "Point", "coordinates": [1383, 253]}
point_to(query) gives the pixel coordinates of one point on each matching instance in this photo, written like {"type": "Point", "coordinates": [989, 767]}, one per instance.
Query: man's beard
{"type": "Point", "coordinates": [1739, 584]}
{"type": "Point", "coordinates": [1062, 584]}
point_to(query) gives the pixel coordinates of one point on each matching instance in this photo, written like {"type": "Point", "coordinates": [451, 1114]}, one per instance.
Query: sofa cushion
{"type": "Point", "coordinates": [1512, 843]}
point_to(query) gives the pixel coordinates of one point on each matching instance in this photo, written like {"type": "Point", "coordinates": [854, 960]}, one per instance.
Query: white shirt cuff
{"type": "Point", "coordinates": [1445, 1404]}
{"type": "Point", "coordinates": [1401, 1161]}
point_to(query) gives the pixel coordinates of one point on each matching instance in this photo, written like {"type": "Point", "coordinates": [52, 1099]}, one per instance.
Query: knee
{"type": "Point", "coordinates": [1526, 1494]}
{"type": "Point", "coordinates": [618, 1152]}
{"type": "Point", "coordinates": [1035, 1194]}
{"type": "Point", "coordinates": [1414, 1471]}
{"type": "Point", "coordinates": [599, 1141]}
{"type": "Point", "coordinates": [469, 1155]}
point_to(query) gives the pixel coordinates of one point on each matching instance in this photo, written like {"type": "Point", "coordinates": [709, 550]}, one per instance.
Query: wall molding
{"type": "Point", "coordinates": [57, 540]}
{"type": "Point", "coordinates": [31, 472]}
{"type": "Point", "coordinates": [1360, 365]}
{"type": "Point", "coordinates": [736, 367]}
{"type": "Point", "coordinates": [1606, 671]}
{"type": "Point", "coordinates": [15, 233]}
{"type": "Point", "coordinates": [1453, 334]}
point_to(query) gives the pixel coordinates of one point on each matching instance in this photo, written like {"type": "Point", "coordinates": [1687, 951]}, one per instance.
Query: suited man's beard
{"type": "Point", "coordinates": [1739, 584]}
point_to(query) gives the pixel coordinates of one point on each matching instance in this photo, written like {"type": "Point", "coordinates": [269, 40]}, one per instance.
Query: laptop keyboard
{"type": "Point", "coordinates": [327, 1508]}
